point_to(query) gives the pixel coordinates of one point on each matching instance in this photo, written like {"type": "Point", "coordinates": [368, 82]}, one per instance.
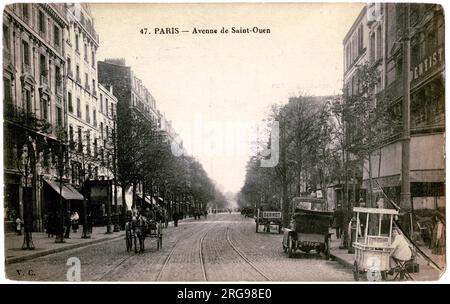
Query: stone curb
{"type": "Point", "coordinates": [56, 250]}
{"type": "Point", "coordinates": [341, 261]}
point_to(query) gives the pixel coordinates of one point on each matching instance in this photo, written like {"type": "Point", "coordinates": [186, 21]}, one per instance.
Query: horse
{"type": "Point", "coordinates": [139, 226]}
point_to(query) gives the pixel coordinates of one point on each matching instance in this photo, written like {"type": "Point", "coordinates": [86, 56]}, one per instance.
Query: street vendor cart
{"type": "Point", "coordinates": [373, 241]}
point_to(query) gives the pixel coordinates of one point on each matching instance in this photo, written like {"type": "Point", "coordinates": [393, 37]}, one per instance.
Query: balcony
{"type": "Point", "coordinates": [22, 117]}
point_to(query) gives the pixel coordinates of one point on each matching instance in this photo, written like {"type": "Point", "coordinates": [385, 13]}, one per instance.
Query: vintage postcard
{"type": "Point", "coordinates": [223, 142]}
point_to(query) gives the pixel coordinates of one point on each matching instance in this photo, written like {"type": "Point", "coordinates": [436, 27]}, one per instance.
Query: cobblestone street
{"type": "Point", "coordinates": [223, 247]}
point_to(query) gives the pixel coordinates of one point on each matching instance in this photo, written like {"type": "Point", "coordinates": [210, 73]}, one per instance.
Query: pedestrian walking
{"type": "Point", "coordinates": [67, 225]}
{"type": "Point", "coordinates": [74, 221]}
{"type": "Point", "coordinates": [338, 221]}
{"type": "Point", "coordinates": [166, 218]}
{"type": "Point", "coordinates": [19, 224]}
{"type": "Point", "coordinates": [175, 219]}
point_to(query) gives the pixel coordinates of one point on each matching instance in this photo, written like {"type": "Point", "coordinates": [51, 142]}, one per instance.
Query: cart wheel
{"type": "Point", "coordinates": [355, 271]}
{"type": "Point", "coordinates": [291, 247]}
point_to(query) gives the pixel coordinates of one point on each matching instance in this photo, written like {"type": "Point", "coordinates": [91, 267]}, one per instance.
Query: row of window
{"type": "Point", "coordinates": [84, 144]}
{"type": "Point", "coordinates": [107, 108]}
{"type": "Point", "coordinates": [44, 26]}
{"type": "Point", "coordinates": [78, 78]}
{"type": "Point", "coordinates": [28, 102]}
{"type": "Point", "coordinates": [354, 47]}
{"type": "Point", "coordinates": [109, 112]}
{"type": "Point", "coordinates": [376, 45]}
{"type": "Point", "coordinates": [427, 41]}
{"type": "Point", "coordinates": [86, 51]}
{"type": "Point", "coordinates": [43, 67]}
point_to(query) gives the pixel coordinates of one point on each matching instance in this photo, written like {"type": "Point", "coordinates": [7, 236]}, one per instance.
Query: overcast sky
{"type": "Point", "coordinates": [216, 87]}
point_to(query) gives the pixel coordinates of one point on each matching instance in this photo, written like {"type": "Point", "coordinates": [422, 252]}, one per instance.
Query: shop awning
{"type": "Point", "coordinates": [416, 176]}
{"type": "Point", "coordinates": [68, 191]}
{"type": "Point", "coordinates": [147, 199]}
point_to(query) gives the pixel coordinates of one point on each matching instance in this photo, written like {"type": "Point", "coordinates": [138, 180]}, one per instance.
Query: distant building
{"type": "Point", "coordinates": [133, 98]}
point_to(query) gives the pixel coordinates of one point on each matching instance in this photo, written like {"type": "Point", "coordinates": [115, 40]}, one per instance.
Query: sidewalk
{"type": "Point", "coordinates": [45, 245]}
{"type": "Point", "coordinates": [426, 272]}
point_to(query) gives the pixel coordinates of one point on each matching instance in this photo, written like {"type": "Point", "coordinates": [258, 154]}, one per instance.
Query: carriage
{"type": "Point", "coordinates": [268, 219]}
{"type": "Point", "coordinates": [309, 227]}
{"type": "Point", "coordinates": [138, 228]}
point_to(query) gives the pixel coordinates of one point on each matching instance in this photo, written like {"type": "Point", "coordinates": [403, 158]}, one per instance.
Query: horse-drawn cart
{"type": "Point", "coordinates": [138, 228]}
{"type": "Point", "coordinates": [309, 227]}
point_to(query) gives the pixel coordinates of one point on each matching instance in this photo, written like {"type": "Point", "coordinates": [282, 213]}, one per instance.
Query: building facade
{"type": "Point", "coordinates": [82, 93]}
{"type": "Point", "coordinates": [34, 105]}
{"type": "Point", "coordinates": [385, 29]}
{"type": "Point", "coordinates": [133, 99]}
{"type": "Point", "coordinates": [57, 125]}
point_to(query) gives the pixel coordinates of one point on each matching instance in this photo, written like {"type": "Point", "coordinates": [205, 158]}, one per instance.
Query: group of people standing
{"type": "Point", "coordinates": [53, 224]}
{"type": "Point", "coordinates": [198, 213]}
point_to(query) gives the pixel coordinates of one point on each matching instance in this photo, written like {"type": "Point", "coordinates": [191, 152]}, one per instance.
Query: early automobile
{"type": "Point", "coordinates": [268, 219]}
{"type": "Point", "coordinates": [309, 227]}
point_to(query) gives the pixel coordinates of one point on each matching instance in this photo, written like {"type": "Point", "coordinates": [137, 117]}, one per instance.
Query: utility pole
{"type": "Point", "coordinates": [116, 207]}
{"type": "Point", "coordinates": [405, 194]}
{"type": "Point", "coordinates": [284, 184]}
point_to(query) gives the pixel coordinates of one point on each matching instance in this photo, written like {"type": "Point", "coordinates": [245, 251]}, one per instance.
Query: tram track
{"type": "Point", "coordinates": [242, 255]}
{"type": "Point", "coordinates": [125, 259]}
{"type": "Point", "coordinates": [114, 268]}
{"type": "Point", "coordinates": [201, 257]}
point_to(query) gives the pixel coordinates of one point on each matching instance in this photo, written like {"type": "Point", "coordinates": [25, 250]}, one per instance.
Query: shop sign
{"type": "Point", "coordinates": [428, 64]}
